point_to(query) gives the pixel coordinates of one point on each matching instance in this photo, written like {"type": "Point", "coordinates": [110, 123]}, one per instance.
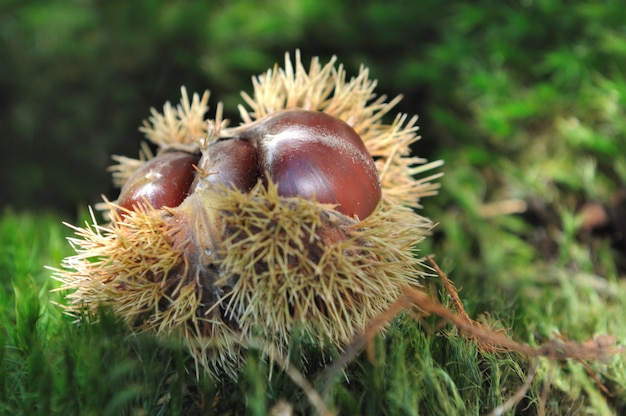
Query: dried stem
{"type": "Point", "coordinates": [489, 339]}
{"type": "Point", "coordinates": [451, 289]}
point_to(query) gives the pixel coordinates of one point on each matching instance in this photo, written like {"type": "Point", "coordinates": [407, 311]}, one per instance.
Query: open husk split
{"type": "Point", "coordinates": [227, 265]}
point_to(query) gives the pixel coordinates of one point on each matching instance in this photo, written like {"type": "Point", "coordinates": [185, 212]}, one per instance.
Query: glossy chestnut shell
{"type": "Point", "coordinates": [233, 163]}
{"type": "Point", "coordinates": [167, 179]}
{"type": "Point", "coordinates": [163, 181]}
{"type": "Point", "coordinates": [309, 154]}
{"type": "Point", "coordinates": [315, 155]}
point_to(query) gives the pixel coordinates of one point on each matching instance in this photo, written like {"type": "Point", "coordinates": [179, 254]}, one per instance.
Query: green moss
{"type": "Point", "coordinates": [50, 364]}
{"type": "Point", "coordinates": [525, 102]}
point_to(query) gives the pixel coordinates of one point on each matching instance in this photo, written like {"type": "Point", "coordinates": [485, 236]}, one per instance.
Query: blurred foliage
{"type": "Point", "coordinates": [78, 76]}
{"type": "Point", "coordinates": [524, 100]}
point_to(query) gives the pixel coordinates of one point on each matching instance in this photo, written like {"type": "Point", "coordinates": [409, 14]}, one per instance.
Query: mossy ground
{"type": "Point", "coordinates": [50, 365]}
{"type": "Point", "coordinates": [525, 103]}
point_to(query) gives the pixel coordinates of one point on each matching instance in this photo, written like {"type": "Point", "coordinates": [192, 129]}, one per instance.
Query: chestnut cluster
{"type": "Point", "coordinates": [295, 221]}
{"type": "Point", "coordinates": [308, 154]}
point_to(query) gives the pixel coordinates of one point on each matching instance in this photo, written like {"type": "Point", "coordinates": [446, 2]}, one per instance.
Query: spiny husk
{"type": "Point", "coordinates": [182, 125]}
{"type": "Point", "coordinates": [225, 265]}
{"type": "Point", "coordinates": [324, 88]}
{"type": "Point", "coordinates": [302, 264]}
{"type": "Point", "coordinates": [320, 88]}
{"type": "Point", "coordinates": [139, 266]}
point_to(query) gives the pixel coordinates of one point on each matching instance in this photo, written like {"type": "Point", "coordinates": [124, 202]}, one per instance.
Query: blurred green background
{"type": "Point", "coordinates": [523, 100]}
{"type": "Point", "coordinates": [78, 77]}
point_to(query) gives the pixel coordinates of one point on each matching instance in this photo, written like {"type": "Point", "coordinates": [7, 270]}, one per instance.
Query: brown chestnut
{"type": "Point", "coordinates": [234, 163]}
{"type": "Point", "coordinates": [315, 155]}
{"type": "Point", "coordinates": [163, 181]}
{"type": "Point", "coordinates": [167, 179]}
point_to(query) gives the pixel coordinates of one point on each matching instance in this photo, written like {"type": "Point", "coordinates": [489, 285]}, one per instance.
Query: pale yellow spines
{"type": "Point", "coordinates": [302, 264]}
{"type": "Point", "coordinates": [278, 263]}
{"type": "Point", "coordinates": [125, 264]}
{"type": "Point", "coordinates": [325, 88]}
{"type": "Point", "coordinates": [318, 88]}
{"type": "Point", "coordinates": [180, 125]}
{"type": "Point", "coordinates": [139, 266]}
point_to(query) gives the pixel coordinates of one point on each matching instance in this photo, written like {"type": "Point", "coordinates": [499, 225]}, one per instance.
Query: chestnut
{"type": "Point", "coordinates": [163, 181]}
{"type": "Point", "coordinates": [167, 179]}
{"type": "Point", "coordinates": [220, 267]}
{"type": "Point", "coordinates": [232, 162]}
{"type": "Point", "coordinates": [315, 155]}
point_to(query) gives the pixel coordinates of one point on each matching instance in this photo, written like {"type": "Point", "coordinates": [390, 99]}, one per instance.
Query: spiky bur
{"type": "Point", "coordinates": [181, 127]}
{"type": "Point", "coordinates": [324, 88]}
{"type": "Point", "coordinates": [147, 270]}
{"type": "Point", "coordinates": [299, 263]}
{"type": "Point", "coordinates": [227, 264]}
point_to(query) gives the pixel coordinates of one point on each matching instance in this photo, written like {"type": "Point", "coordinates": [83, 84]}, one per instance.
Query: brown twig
{"type": "Point", "coordinates": [545, 389]}
{"type": "Point", "coordinates": [451, 289]}
{"type": "Point", "coordinates": [558, 349]}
